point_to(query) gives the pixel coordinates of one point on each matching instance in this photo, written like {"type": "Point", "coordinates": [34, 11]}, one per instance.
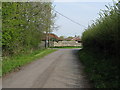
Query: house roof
{"type": "Point", "coordinates": [51, 35]}
{"type": "Point", "coordinates": [76, 39]}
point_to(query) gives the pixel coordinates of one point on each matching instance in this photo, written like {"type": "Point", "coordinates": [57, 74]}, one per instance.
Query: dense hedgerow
{"type": "Point", "coordinates": [104, 34]}
{"type": "Point", "coordinates": [23, 24]}
{"type": "Point", "coordinates": [102, 71]}
{"type": "Point", "coordinates": [101, 49]}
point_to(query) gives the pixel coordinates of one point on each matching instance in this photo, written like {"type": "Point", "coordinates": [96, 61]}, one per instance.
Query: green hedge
{"type": "Point", "coordinates": [102, 71]}
{"type": "Point", "coordinates": [101, 49]}
{"type": "Point", "coordinates": [104, 34]}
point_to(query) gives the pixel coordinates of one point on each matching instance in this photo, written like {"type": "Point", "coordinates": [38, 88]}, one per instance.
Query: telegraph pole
{"type": "Point", "coordinates": [46, 39]}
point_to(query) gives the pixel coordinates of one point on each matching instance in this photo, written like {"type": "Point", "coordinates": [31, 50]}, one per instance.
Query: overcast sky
{"type": "Point", "coordinates": [79, 11]}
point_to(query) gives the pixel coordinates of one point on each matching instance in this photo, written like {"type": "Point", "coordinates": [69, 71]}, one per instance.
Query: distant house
{"type": "Point", "coordinates": [73, 39]}
{"type": "Point", "coordinates": [76, 39]}
{"type": "Point", "coordinates": [51, 37]}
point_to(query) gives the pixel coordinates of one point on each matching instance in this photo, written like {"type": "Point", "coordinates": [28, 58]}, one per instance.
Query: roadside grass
{"type": "Point", "coordinates": [102, 71]}
{"type": "Point", "coordinates": [67, 47]}
{"type": "Point", "coordinates": [12, 63]}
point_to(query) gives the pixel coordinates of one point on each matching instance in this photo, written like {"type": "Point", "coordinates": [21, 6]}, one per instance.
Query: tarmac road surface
{"type": "Point", "coordinates": [60, 69]}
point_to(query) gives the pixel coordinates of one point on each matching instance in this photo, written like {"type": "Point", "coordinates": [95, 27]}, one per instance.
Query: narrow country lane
{"type": "Point", "coordinates": [61, 69]}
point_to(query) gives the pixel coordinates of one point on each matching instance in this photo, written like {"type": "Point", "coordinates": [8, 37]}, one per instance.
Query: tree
{"type": "Point", "coordinates": [24, 24]}
{"type": "Point", "coordinates": [62, 37]}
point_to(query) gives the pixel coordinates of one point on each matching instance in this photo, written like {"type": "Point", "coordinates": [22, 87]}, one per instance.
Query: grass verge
{"type": "Point", "coordinates": [102, 70]}
{"type": "Point", "coordinates": [12, 63]}
{"type": "Point", "coordinates": [67, 47]}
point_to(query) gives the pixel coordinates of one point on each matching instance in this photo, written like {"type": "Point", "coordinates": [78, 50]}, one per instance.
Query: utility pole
{"type": "Point", "coordinates": [46, 39]}
{"type": "Point", "coordinates": [47, 29]}
{"type": "Point", "coordinates": [49, 26]}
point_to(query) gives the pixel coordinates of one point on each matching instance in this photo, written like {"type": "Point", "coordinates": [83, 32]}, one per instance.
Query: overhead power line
{"type": "Point", "coordinates": [70, 19]}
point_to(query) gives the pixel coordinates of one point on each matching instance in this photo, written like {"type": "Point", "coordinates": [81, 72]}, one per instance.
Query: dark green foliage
{"type": "Point", "coordinates": [23, 25]}
{"type": "Point", "coordinates": [101, 49]}
{"type": "Point", "coordinates": [104, 34]}
{"type": "Point", "coordinates": [101, 70]}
